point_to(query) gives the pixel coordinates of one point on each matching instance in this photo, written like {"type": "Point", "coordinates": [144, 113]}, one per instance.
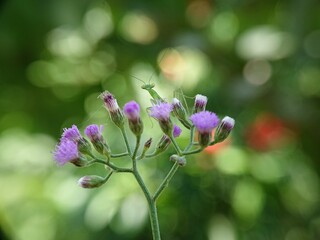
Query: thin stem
{"type": "Point", "coordinates": [136, 149]}
{"type": "Point", "coordinates": [175, 145]}
{"type": "Point", "coordinates": [123, 132]}
{"type": "Point", "coordinates": [191, 138]}
{"type": "Point", "coordinates": [107, 177]}
{"type": "Point", "coordinates": [166, 181]}
{"type": "Point", "coordinates": [152, 207]}
{"type": "Point", "coordinates": [118, 155]}
{"type": "Point", "coordinates": [192, 152]}
{"type": "Point", "coordinates": [112, 166]}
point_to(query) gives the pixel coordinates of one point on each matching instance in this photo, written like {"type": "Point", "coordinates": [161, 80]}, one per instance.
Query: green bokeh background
{"type": "Point", "coordinates": [257, 61]}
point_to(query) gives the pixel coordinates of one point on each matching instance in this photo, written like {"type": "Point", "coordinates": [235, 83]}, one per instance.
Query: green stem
{"type": "Point", "coordinates": [175, 145]}
{"type": "Point", "coordinates": [112, 166]}
{"type": "Point", "coordinates": [123, 132]}
{"type": "Point", "coordinates": [192, 152]}
{"type": "Point", "coordinates": [191, 139]}
{"type": "Point", "coordinates": [152, 206]}
{"type": "Point", "coordinates": [166, 181]}
{"type": "Point", "coordinates": [118, 155]}
{"type": "Point", "coordinates": [134, 160]}
{"type": "Point", "coordinates": [107, 177]}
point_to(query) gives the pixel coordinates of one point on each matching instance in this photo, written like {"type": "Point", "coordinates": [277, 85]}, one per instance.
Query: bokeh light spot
{"type": "Point", "coordinates": [139, 28]}
{"type": "Point", "coordinates": [264, 42]}
{"type": "Point", "coordinates": [257, 72]}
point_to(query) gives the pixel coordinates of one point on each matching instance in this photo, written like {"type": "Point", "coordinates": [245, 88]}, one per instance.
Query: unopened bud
{"type": "Point", "coordinates": [112, 106]}
{"type": "Point", "coordinates": [181, 160]}
{"type": "Point", "coordinates": [84, 146]}
{"type": "Point", "coordinates": [200, 103]}
{"type": "Point", "coordinates": [132, 112]}
{"type": "Point", "coordinates": [180, 112]}
{"type": "Point", "coordinates": [81, 161]}
{"type": "Point", "coordinates": [163, 144]}
{"type": "Point", "coordinates": [224, 129]}
{"type": "Point", "coordinates": [91, 181]}
{"type": "Point", "coordinates": [94, 133]}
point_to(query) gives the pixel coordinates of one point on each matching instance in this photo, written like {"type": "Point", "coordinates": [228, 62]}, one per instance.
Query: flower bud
{"type": "Point", "coordinates": [200, 103]}
{"type": "Point", "coordinates": [224, 129]}
{"type": "Point", "coordinates": [91, 181]}
{"type": "Point", "coordinates": [180, 159]}
{"type": "Point", "coordinates": [132, 112]}
{"type": "Point", "coordinates": [94, 133]}
{"type": "Point", "coordinates": [180, 112]}
{"type": "Point", "coordinates": [163, 144]}
{"type": "Point", "coordinates": [161, 111]}
{"type": "Point", "coordinates": [84, 146]}
{"type": "Point", "coordinates": [112, 106]}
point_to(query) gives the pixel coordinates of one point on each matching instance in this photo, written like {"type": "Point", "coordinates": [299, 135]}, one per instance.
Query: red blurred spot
{"type": "Point", "coordinates": [266, 132]}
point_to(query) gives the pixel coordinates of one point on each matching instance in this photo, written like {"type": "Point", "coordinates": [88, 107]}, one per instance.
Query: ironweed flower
{"type": "Point", "coordinates": [205, 122]}
{"type": "Point", "coordinates": [224, 129]}
{"type": "Point", "coordinates": [161, 111]}
{"type": "Point", "coordinates": [200, 103]}
{"type": "Point", "coordinates": [94, 133]}
{"type": "Point", "coordinates": [67, 151]}
{"type": "Point", "coordinates": [112, 106]}
{"type": "Point", "coordinates": [132, 112]}
{"type": "Point", "coordinates": [73, 134]}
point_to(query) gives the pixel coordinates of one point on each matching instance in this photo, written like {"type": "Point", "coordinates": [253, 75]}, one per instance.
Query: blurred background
{"type": "Point", "coordinates": [257, 61]}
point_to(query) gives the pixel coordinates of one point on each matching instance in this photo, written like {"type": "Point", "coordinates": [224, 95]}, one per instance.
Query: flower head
{"type": "Point", "coordinates": [109, 101]}
{"type": "Point", "coordinates": [161, 111]}
{"type": "Point", "coordinates": [66, 151]}
{"type": "Point", "coordinates": [176, 131]}
{"type": "Point", "coordinates": [132, 111]}
{"type": "Point", "coordinates": [111, 104]}
{"type": "Point", "coordinates": [94, 132]}
{"type": "Point", "coordinates": [200, 103]}
{"type": "Point", "coordinates": [71, 134]}
{"type": "Point", "coordinates": [224, 129]}
{"type": "Point", "coordinates": [205, 121]}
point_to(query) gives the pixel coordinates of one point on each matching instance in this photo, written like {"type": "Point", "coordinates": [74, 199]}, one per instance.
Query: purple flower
{"type": "Point", "coordinates": [200, 103]}
{"type": "Point", "coordinates": [109, 101]}
{"type": "Point", "coordinates": [94, 132]}
{"type": "Point", "coordinates": [161, 111]}
{"type": "Point", "coordinates": [111, 104]}
{"type": "Point", "coordinates": [71, 134]}
{"type": "Point", "coordinates": [66, 151]}
{"type": "Point", "coordinates": [224, 129]}
{"type": "Point", "coordinates": [176, 131]}
{"type": "Point", "coordinates": [132, 111]}
{"type": "Point", "coordinates": [205, 121]}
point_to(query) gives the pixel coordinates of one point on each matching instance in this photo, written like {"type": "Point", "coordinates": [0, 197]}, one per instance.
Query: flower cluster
{"type": "Point", "coordinates": [76, 149]}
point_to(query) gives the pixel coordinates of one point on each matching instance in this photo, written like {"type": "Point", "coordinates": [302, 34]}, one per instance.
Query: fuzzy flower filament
{"type": "Point", "coordinates": [161, 111]}
{"type": "Point", "coordinates": [67, 151]}
{"type": "Point", "coordinates": [204, 122]}
{"type": "Point", "coordinates": [132, 112]}
{"type": "Point", "coordinates": [72, 134]}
